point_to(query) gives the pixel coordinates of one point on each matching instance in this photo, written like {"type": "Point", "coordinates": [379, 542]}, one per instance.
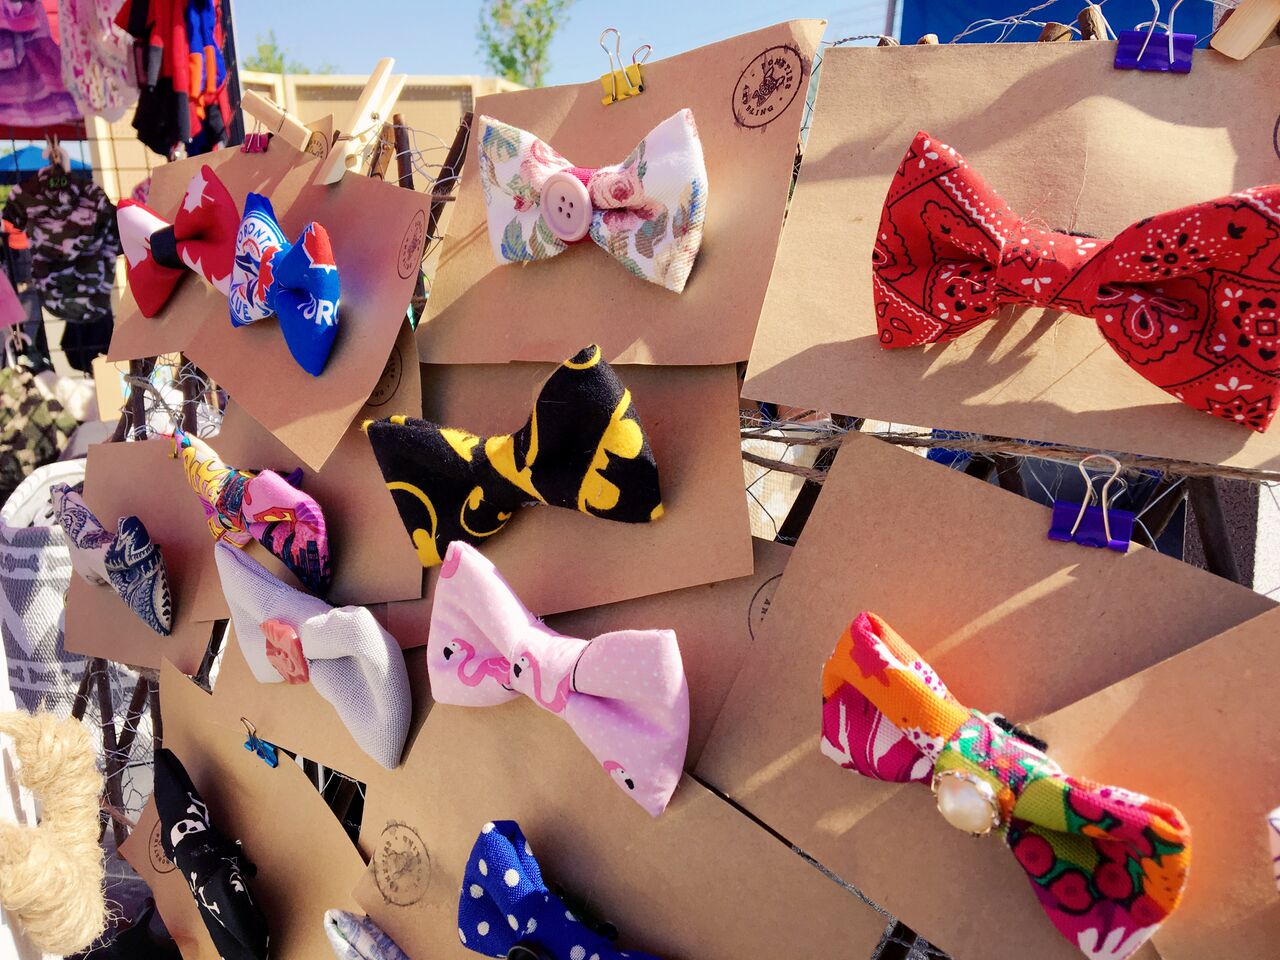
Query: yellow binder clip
{"type": "Point", "coordinates": [622, 82]}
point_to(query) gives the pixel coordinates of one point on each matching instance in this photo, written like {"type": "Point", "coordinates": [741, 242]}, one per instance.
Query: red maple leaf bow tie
{"type": "Point", "coordinates": [1190, 299]}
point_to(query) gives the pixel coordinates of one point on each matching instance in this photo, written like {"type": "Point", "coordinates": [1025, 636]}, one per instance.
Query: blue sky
{"type": "Point", "coordinates": [438, 36]}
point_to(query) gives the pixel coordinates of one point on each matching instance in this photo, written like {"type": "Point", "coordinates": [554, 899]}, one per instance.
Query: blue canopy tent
{"type": "Point", "coordinates": [27, 161]}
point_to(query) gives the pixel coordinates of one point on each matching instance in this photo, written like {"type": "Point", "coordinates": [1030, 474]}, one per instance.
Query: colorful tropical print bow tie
{"type": "Point", "coordinates": [647, 212]}
{"type": "Point", "coordinates": [298, 283]}
{"type": "Point", "coordinates": [343, 653]}
{"type": "Point", "coordinates": [582, 448]}
{"type": "Point", "coordinates": [506, 910]}
{"type": "Point", "coordinates": [1107, 865]}
{"type": "Point", "coordinates": [126, 559]}
{"type": "Point", "coordinates": [359, 938]}
{"type": "Point", "coordinates": [214, 867]}
{"type": "Point", "coordinates": [1190, 299]}
{"type": "Point", "coordinates": [242, 505]}
{"type": "Point", "coordinates": [202, 238]}
{"type": "Point", "coordinates": [623, 693]}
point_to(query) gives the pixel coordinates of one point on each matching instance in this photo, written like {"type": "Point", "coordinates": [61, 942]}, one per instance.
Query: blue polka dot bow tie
{"type": "Point", "coordinates": [505, 910]}
{"type": "Point", "coordinates": [296, 282]}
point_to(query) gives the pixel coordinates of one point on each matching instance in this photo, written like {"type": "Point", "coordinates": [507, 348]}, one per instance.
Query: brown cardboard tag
{"type": "Point", "coordinates": [1012, 622]}
{"type": "Point", "coordinates": [701, 880]}
{"type": "Point", "coordinates": [747, 95]}
{"type": "Point", "coordinates": [305, 862]}
{"type": "Point", "coordinates": [1069, 142]}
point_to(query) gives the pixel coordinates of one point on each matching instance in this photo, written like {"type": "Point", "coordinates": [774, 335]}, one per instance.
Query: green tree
{"type": "Point", "coordinates": [515, 36]}
{"type": "Point", "coordinates": [270, 58]}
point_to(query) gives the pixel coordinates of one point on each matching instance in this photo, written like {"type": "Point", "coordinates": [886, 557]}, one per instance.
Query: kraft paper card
{"type": "Point", "coordinates": [1013, 622]}
{"type": "Point", "coordinates": [377, 230]}
{"type": "Point", "coordinates": [747, 95]}
{"type": "Point", "coordinates": [373, 561]}
{"type": "Point", "coordinates": [1070, 143]}
{"type": "Point", "coordinates": [142, 479]}
{"type": "Point", "coordinates": [305, 862]}
{"type": "Point", "coordinates": [558, 559]}
{"type": "Point", "coordinates": [700, 881]}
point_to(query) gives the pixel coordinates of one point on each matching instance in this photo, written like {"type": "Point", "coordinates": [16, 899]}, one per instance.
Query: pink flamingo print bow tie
{"type": "Point", "coordinates": [623, 693]}
{"type": "Point", "coordinates": [647, 212]}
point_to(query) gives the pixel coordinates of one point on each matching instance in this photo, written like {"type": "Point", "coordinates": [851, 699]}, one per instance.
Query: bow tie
{"type": "Point", "coordinates": [647, 211]}
{"type": "Point", "coordinates": [202, 238]}
{"type": "Point", "coordinates": [127, 560]}
{"type": "Point", "coordinates": [343, 653]}
{"type": "Point", "coordinates": [214, 867]}
{"type": "Point", "coordinates": [623, 693]}
{"type": "Point", "coordinates": [582, 448]}
{"type": "Point", "coordinates": [296, 282]}
{"type": "Point", "coordinates": [1190, 299]}
{"type": "Point", "coordinates": [506, 910]}
{"type": "Point", "coordinates": [359, 938]}
{"type": "Point", "coordinates": [1107, 865]}
{"type": "Point", "coordinates": [242, 505]}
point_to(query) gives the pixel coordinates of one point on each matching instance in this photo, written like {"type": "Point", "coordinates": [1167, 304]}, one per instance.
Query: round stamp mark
{"type": "Point", "coordinates": [389, 382]}
{"type": "Point", "coordinates": [412, 245]}
{"type": "Point", "coordinates": [760, 601]}
{"type": "Point", "coordinates": [768, 86]}
{"type": "Point", "coordinates": [401, 865]}
{"type": "Point", "coordinates": [155, 849]}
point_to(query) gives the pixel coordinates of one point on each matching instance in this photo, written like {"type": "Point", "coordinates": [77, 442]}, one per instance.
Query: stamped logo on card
{"type": "Point", "coordinates": [389, 383]}
{"type": "Point", "coordinates": [411, 247]}
{"type": "Point", "coordinates": [155, 849]}
{"type": "Point", "coordinates": [768, 86]}
{"type": "Point", "coordinates": [401, 865]}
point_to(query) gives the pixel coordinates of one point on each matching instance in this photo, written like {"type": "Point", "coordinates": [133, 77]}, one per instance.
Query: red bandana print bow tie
{"type": "Point", "coordinates": [1190, 299]}
{"type": "Point", "coordinates": [202, 238]}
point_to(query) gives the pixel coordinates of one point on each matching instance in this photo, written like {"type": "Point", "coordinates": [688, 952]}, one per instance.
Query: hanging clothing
{"type": "Point", "coordinates": [32, 93]}
{"type": "Point", "coordinates": [86, 340]}
{"type": "Point", "coordinates": [97, 58]}
{"type": "Point", "coordinates": [210, 105]}
{"type": "Point", "coordinates": [74, 242]}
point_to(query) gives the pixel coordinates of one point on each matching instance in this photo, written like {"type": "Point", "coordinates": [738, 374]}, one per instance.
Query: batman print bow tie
{"type": "Point", "coordinates": [506, 910]}
{"type": "Point", "coordinates": [1189, 299]}
{"type": "Point", "coordinates": [582, 448]}
{"type": "Point", "coordinates": [202, 238]}
{"type": "Point", "coordinates": [1107, 865]}
{"type": "Point", "coordinates": [241, 505]}
{"type": "Point", "coordinates": [624, 693]}
{"type": "Point", "coordinates": [647, 212]}
{"type": "Point", "coordinates": [298, 283]}
{"type": "Point", "coordinates": [127, 559]}
{"type": "Point", "coordinates": [213, 866]}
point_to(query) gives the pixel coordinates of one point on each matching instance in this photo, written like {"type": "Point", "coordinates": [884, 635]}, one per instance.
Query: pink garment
{"type": "Point", "coordinates": [97, 58]}
{"type": "Point", "coordinates": [31, 90]}
{"type": "Point", "coordinates": [11, 310]}
{"type": "Point", "coordinates": [623, 693]}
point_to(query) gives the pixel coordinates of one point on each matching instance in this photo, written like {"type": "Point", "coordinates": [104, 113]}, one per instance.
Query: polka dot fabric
{"type": "Point", "coordinates": [1190, 299]}
{"type": "Point", "coordinates": [624, 693]}
{"type": "Point", "coordinates": [504, 903]}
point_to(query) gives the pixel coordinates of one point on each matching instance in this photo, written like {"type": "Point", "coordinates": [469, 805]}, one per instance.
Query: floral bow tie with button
{"type": "Point", "coordinates": [1189, 299]}
{"type": "Point", "coordinates": [582, 448]}
{"type": "Point", "coordinates": [623, 693]}
{"type": "Point", "coordinates": [1107, 865]}
{"type": "Point", "coordinates": [647, 212]}
{"type": "Point", "coordinates": [506, 910]}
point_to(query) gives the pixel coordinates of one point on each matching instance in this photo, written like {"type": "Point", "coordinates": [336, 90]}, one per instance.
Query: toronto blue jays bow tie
{"type": "Point", "coordinates": [297, 282]}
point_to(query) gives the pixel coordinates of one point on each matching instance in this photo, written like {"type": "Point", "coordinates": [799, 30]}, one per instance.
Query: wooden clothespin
{"type": "Point", "coordinates": [1092, 23]}
{"type": "Point", "coordinates": [1054, 32]}
{"type": "Point", "coordinates": [886, 41]}
{"type": "Point", "coordinates": [280, 123]}
{"type": "Point", "coordinates": [385, 151]}
{"type": "Point", "coordinates": [622, 83]}
{"type": "Point", "coordinates": [1246, 27]}
{"type": "Point", "coordinates": [352, 139]}
{"type": "Point", "coordinates": [929, 39]}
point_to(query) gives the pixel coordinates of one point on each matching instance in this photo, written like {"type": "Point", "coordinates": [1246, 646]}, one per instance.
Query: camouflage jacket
{"type": "Point", "coordinates": [74, 242]}
{"type": "Point", "coordinates": [33, 430]}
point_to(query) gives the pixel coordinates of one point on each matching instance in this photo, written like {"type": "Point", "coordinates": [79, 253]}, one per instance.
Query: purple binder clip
{"type": "Point", "coordinates": [1089, 525]}
{"type": "Point", "coordinates": [1135, 51]}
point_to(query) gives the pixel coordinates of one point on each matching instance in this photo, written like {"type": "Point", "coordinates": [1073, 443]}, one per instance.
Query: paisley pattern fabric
{"type": "Point", "coordinates": [214, 867]}
{"type": "Point", "coordinates": [624, 693]}
{"type": "Point", "coordinates": [505, 903]}
{"type": "Point", "coordinates": [582, 448]}
{"type": "Point", "coordinates": [243, 505]}
{"type": "Point", "coordinates": [1190, 299]}
{"type": "Point", "coordinates": [296, 282]}
{"type": "Point", "coordinates": [647, 212]}
{"type": "Point", "coordinates": [127, 559]}
{"type": "Point", "coordinates": [359, 938]}
{"type": "Point", "coordinates": [1107, 865]}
